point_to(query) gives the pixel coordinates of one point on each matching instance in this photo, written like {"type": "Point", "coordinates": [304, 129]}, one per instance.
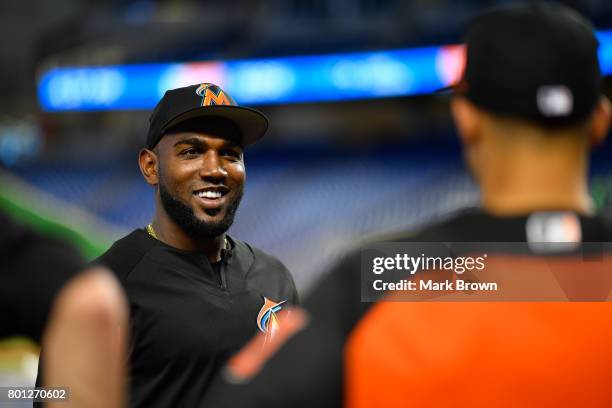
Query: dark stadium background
{"type": "Point", "coordinates": [326, 175]}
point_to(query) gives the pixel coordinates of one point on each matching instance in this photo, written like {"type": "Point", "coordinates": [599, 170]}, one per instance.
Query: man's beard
{"type": "Point", "coordinates": [186, 219]}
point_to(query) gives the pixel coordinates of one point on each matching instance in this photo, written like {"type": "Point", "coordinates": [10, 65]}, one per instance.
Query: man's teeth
{"type": "Point", "coordinates": [209, 194]}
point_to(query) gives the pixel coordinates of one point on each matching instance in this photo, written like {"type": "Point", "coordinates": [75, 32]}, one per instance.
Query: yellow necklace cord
{"type": "Point", "coordinates": [151, 232]}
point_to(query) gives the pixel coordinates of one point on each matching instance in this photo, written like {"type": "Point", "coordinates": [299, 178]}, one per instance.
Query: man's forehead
{"type": "Point", "coordinates": [190, 137]}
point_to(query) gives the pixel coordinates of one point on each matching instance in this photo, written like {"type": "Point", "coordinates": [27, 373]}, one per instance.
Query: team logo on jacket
{"type": "Point", "coordinates": [267, 321]}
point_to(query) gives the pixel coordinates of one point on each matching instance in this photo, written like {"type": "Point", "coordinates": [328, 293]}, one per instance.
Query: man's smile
{"type": "Point", "coordinates": [212, 197]}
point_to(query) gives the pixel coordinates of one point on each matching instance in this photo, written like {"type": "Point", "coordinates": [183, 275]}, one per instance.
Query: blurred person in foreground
{"type": "Point", "coordinates": [528, 109]}
{"type": "Point", "coordinates": [79, 317]}
{"type": "Point", "coordinates": [196, 294]}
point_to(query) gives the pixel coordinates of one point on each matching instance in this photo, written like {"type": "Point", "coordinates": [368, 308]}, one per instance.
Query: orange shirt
{"type": "Point", "coordinates": [481, 355]}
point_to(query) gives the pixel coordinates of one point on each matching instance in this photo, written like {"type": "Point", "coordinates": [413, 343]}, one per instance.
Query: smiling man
{"type": "Point", "coordinates": [196, 294]}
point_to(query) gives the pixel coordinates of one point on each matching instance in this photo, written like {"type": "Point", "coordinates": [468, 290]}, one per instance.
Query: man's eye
{"type": "Point", "coordinates": [230, 153]}
{"type": "Point", "coordinates": [189, 152]}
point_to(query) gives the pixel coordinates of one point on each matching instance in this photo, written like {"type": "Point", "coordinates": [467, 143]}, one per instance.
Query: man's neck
{"type": "Point", "coordinates": [167, 231]}
{"type": "Point", "coordinates": [524, 203]}
{"type": "Point", "coordinates": [520, 185]}
{"type": "Point", "coordinates": [524, 167]}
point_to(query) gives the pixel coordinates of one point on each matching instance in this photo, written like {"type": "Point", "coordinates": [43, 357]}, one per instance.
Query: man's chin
{"type": "Point", "coordinates": [197, 221]}
{"type": "Point", "coordinates": [211, 216]}
{"type": "Point", "coordinates": [212, 223]}
{"type": "Point", "coordinates": [214, 220]}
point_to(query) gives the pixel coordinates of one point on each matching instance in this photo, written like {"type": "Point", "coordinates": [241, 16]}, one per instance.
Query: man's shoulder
{"type": "Point", "coordinates": [259, 258]}
{"type": "Point", "coordinates": [469, 224]}
{"type": "Point", "coordinates": [476, 225]}
{"type": "Point", "coordinates": [456, 226]}
{"type": "Point", "coordinates": [123, 256]}
{"type": "Point", "coordinates": [263, 269]}
{"type": "Point", "coordinates": [598, 228]}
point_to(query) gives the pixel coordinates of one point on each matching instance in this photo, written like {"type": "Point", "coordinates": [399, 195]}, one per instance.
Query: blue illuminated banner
{"type": "Point", "coordinates": [316, 78]}
{"type": "Point", "coordinates": [605, 51]}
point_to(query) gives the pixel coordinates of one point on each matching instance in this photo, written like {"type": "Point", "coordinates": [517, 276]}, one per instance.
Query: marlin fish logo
{"type": "Point", "coordinates": [212, 95]}
{"type": "Point", "coordinates": [267, 321]}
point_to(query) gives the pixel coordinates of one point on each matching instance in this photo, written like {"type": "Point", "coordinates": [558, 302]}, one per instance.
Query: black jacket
{"type": "Point", "coordinates": [189, 316]}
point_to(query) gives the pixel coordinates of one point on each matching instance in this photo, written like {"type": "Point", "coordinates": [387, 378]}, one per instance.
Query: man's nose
{"type": "Point", "coordinates": [212, 167]}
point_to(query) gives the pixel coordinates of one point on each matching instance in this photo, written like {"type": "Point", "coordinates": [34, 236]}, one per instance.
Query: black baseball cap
{"type": "Point", "coordinates": [202, 104]}
{"type": "Point", "coordinates": [536, 61]}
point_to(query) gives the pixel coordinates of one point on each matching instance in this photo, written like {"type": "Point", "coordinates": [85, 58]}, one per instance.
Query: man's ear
{"type": "Point", "coordinates": [148, 162]}
{"type": "Point", "coordinates": [466, 117]}
{"type": "Point", "coordinates": [600, 122]}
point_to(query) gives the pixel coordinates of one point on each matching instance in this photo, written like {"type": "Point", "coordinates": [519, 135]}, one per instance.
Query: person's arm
{"type": "Point", "coordinates": [85, 342]}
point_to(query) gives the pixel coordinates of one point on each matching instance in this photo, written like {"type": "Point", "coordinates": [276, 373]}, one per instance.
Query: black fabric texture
{"type": "Point", "coordinates": [187, 318]}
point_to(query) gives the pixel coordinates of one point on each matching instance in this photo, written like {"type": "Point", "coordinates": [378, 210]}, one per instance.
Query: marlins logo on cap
{"type": "Point", "coordinates": [213, 95]}
{"type": "Point", "coordinates": [207, 103]}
